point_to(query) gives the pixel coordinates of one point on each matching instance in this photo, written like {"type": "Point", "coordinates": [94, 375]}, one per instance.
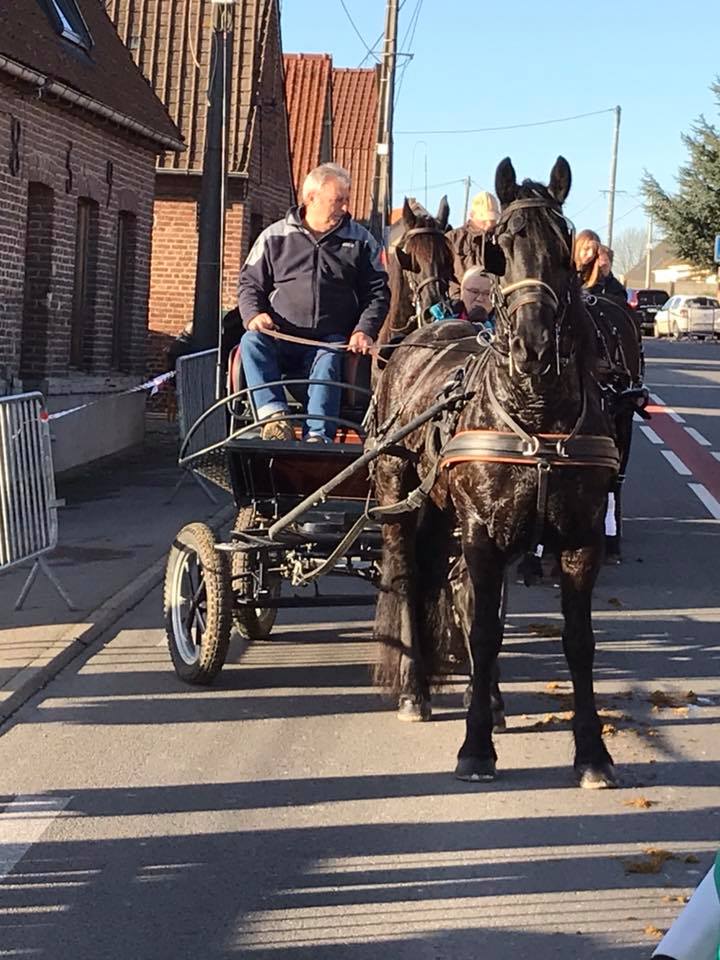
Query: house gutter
{"type": "Point", "coordinates": [47, 85]}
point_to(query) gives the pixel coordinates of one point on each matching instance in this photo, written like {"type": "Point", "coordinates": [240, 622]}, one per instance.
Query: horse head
{"type": "Point", "coordinates": [421, 267]}
{"type": "Point", "coordinates": [534, 291]}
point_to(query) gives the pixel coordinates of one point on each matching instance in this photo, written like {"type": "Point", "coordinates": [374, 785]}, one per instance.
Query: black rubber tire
{"type": "Point", "coordinates": [198, 539]}
{"type": "Point", "coordinates": [252, 623]}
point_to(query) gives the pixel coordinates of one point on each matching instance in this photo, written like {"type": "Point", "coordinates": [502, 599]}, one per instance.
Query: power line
{"type": "Point", "coordinates": [360, 37]}
{"type": "Point", "coordinates": [407, 45]}
{"type": "Point", "coordinates": [371, 51]}
{"type": "Point", "coordinates": [513, 126]}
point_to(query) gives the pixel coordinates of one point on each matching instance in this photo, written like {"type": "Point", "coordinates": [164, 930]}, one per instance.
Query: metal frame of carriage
{"type": "Point", "coordinates": [304, 511]}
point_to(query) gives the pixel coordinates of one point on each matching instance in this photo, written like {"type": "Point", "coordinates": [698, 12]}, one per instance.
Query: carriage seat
{"type": "Point", "coordinates": [356, 373]}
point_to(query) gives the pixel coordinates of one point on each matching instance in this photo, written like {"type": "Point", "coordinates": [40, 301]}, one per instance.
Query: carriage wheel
{"type": "Point", "coordinates": [253, 623]}
{"type": "Point", "coordinates": [196, 605]}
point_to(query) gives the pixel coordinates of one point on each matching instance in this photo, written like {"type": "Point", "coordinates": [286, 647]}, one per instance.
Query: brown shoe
{"type": "Point", "coordinates": [278, 429]}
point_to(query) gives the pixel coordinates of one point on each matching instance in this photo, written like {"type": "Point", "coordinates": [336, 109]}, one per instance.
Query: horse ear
{"type": "Point", "coordinates": [443, 214]}
{"type": "Point", "coordinates": [560, 180]}
{"type": "Point", "coordinates": [409, 218]}
{"type": "Point", "coordinates": [506, 182]}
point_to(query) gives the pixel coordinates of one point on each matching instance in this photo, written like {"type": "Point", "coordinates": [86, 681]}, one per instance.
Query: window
{"type": "Point", "coordinates": [83, 308]}
{"type": "Point", "coordinates": [124, 292]}
{"type": "Point", "coordinates": [69, 22]}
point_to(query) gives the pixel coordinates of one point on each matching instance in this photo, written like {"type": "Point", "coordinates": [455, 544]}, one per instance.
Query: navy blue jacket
{"type": "Point", "coordinates": [311, 287]}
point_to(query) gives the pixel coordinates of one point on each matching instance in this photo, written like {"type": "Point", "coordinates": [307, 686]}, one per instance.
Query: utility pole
{"type": "Point", "coordinates": [648, 251]}
{"type": "Point", "coordinates": [382, 178]}
{"type": "Point", "coordinates": [613, 177]}
{"type": "Point", "coordinates": [208, 274]}
{"type": "Point", "coordinates": [467, 199]}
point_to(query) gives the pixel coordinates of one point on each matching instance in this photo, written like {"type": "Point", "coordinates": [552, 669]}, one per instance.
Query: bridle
{"type": "Point", "coordinates": [416, 285]}
{"type": "Point", "coordinates": [532, 290]}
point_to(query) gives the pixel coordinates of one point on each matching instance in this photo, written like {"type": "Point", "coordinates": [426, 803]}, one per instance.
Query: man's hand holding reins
{"type": "Point", "coordinates": [360, 342]}
{"type": "Point", "coordinates": [261, 322]}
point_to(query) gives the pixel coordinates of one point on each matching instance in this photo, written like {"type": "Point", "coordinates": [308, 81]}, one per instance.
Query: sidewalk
{"type": "Point", "coordinates": [115, 531]}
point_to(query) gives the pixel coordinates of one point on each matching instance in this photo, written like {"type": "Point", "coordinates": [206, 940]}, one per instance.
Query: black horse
{"type": "Point", "coordinates": [529, 458]}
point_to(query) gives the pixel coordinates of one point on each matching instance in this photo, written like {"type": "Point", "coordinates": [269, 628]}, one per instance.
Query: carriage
{"type": "Point", "coordinates": [523, 439]}
{"type": "Point", "coordinates": [302, 512]}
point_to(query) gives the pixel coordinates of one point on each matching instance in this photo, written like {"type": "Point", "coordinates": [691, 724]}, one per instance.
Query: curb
{"type": "Point", "coordinates": [78, 638]}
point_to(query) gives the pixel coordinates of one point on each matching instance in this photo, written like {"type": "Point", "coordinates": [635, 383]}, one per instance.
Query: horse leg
{"type": "Point", "coordinates": [593, 763]}
{"type": "Point", "coordinates": [476, 757]}
{"type": "Point", "coordinates": [464, 607]}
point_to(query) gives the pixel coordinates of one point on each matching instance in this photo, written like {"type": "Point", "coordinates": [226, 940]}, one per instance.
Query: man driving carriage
{"type": "Point", "coordinates": [316, 275]}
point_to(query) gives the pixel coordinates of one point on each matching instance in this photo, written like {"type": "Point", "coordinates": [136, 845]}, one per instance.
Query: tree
{"type": "Point", "coordinates": [691, 217]}
{"type": "Point", "coordinates": [629, 249]}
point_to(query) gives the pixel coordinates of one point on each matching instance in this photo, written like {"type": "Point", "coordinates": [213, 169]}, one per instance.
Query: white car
{"type": "Point", "coordinates": [687, 315]}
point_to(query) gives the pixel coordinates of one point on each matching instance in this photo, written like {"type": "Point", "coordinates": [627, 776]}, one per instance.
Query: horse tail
{"type": "Point", "coordinates": [439, 607]}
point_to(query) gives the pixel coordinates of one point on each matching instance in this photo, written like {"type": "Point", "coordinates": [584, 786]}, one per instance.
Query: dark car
{"type": "Point", "coordinates": [645, 304]}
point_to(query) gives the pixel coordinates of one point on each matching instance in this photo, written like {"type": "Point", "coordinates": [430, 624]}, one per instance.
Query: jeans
{"type": "Point", "coordinates": [265, 359]}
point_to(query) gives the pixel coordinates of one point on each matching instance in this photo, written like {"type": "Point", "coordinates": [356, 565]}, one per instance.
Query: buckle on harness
{"type": "Point", "coordinates": [530, 447]}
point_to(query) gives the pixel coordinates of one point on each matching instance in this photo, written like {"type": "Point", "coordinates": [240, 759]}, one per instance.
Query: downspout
{"type": "Point", "coordinates": [46, 85]}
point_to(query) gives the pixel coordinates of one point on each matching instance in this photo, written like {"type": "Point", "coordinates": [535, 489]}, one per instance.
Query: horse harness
{"type": "Point", "coordinates": [515, 445]}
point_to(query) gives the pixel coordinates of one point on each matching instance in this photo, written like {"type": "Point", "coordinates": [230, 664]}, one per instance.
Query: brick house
{"type": "Point", "coordinates": [332, 116]}
{"type": "Point", "coordinates": [170, 41]}
{"type": "Point", "coordinates": [670, 273]}
{"type": "Point", "coordinates": [80, 131]}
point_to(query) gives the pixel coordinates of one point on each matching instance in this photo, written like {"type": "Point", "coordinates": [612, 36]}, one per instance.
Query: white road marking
{"type": "Point", "coordinates": [668, 410]}
{"type": "Point", "coordinates": [637, 418]}
{"type": "Point", "coordinates": [714, 453]}
{"type": "Point", "coordinates": [706, 498]}
{"type": "Point", "coordinates": [676, 463]}
{"type": "Point", "coordinates": [696, 435]}
{"type": "Point", "coordinates": [652, 436]}
{"type": "Point", "coordinates": [22, 823]}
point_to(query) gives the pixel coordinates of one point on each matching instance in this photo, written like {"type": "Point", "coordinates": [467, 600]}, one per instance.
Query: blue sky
{"type": "Point", "coordinates": [474, 65]}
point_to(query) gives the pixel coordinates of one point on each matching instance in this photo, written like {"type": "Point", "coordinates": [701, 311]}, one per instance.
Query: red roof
{"type": "Point", "coordinates": [309, 106]}
{"type": "Point", "coordinates": [355, 101]}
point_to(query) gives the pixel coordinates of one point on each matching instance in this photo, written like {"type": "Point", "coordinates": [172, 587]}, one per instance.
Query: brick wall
{"type": "Point", "coordinates": [63, 157]}
{"type": "Point", "coordinates": [266, 193]}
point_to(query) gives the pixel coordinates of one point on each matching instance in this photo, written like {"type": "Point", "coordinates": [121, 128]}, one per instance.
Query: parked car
{"type": "Point", "coordinates": [685, 315]}
{"type": "Point", "coordinates": [645, 304]}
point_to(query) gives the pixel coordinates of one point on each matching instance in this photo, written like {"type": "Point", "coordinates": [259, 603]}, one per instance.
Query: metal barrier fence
{"type": "Point", "coordinates": [28, 507]}
{"type": "Point", "coordinates": [195, 383]}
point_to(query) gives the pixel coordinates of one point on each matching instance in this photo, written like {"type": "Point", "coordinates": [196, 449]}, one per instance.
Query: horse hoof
{"type": "Point", "coordinates": [413, 711]}
{"type": "Point", "coordinates": [475, 769]}
{"type": "Point", "coordinates": [601, 777]}
{"type": "Point", "coordinates": [499, 721]}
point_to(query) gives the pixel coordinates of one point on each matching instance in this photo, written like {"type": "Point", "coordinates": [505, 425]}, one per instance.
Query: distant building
{"type": "Point", "coordinates": [332, 117]}
{"type": "Point", "coordinates": [670, 273]}
{"type": "Point", "coordinates": [80, 131]}
{"type": "Point", "coordinates": [170, 41]}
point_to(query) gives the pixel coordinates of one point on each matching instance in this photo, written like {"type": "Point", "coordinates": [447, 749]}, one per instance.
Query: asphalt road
{"type": "Point", "coordinates": [286, 813]}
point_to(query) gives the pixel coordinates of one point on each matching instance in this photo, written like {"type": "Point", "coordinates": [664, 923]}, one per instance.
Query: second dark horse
{"type": "Point", "coordinates": [535, 393]}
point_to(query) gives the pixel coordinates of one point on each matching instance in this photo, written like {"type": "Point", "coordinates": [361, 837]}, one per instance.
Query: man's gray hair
{"type": "Point", "coordinates": [318, 177]}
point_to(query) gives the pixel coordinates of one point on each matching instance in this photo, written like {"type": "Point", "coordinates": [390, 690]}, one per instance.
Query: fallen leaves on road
{"type": "Point", "coordinates": [691, 858]}
{"type": "Point", "coordinates": [614, 602]}
{"type": "Point", "coordinates": [609, 730]}
{"type": "Point", "coordinates": [679, 898]}
{"type": "Point", "coordinates": [654, 932]}
{"type": "Point", "coordinates": [662, 700]}
{"type": "Point", "coordinates": [653, 862]}
{"type": "Point", "coordinates": [641, 803]}
{"type": "Point", "coordinates": [553, 720]}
